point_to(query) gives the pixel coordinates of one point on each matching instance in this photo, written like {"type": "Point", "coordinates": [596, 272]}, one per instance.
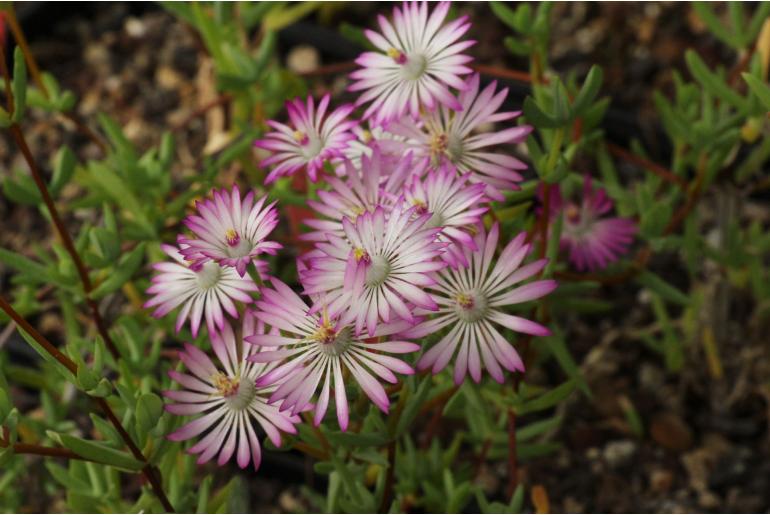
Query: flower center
{"type": "Point", "coordinates": [438, 145]}
{"type": "Point", "coordinates": [397, 55]}
{"type": "Point", "coordinates": [573, 213]}
{"type": "Point", "coordinates": [208, 274]}
{"type": "Point", "coordinates": [237, 394]}
{"type": "Point", "coordinates": [366, 136]}
{"type": "Point", "coordinates": [333, 342]}
{"type": "Point", "coordinates": [237, 246]}
{"type": "Point", "coordinates": [420, 207]}
{"type": "Point", "coordinates": [232, 237]}
{"type": "Point", "coordinates": [470, 307]}
{"type": "Point", "coordinates": [301, 138]}
{"type": "Point", "coordinates": [378, 271]}
{"type": "Point", "coordinates": [225, 385]}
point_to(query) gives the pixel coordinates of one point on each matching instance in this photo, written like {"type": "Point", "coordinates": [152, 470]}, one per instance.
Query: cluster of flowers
{"type": "Point", "coordinates": [400, 251]}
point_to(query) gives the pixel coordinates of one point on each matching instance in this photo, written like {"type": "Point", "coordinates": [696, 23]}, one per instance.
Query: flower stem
{"type": "Point", "coordinates": [69, 245]}
{"type": "Point", "coordinates": [149, 472]}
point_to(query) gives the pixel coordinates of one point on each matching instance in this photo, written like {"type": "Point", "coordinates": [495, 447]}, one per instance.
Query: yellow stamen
{"type": "Point", "coordinates": [300, 136]}
{"type": "Point", "coordinates": [464, 300]}
{"type": "Point", "coordinates": [231, 235]}
{"type": "Point", "coordinates": [226, 386]}
{"type": "Point", "coordinates": [361, 255]}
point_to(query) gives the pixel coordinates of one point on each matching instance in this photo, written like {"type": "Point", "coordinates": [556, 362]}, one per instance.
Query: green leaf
{"type": "Point", "coordinates": [116, 188]}
{"type": "Point", "coordinates": [22, 190]}
{"type": "Point", "coordinates": [63, 169]}
{"type": "Point", "coordinates": [412, 407]}
{"type": "Point", "coordinates": [537, 117]}
{"type": "Point", "coordinates": [5, 406]}
{"type": "Point", "coordinates": [706, 14]}
{"type": "Point", "coordinates": [355, 35]}
{"type": "Point", "coordinates": [125, 268]}
{"type": "Point", "coordinates": [672, 343]}
{"type": "Point", "coordinates": [759, 88]}
{"type": "Point", "coordinates": [282, 16]}
{"type": "Point", "coordinates": [19, 85]}
{"type": "Point", "coordinates": [548, 399]}
{"type": "Point", "coordinates": [535, 429]}
{"type": "Point", "coordinates": [588, 92]}
{"type": "Point", "coordinates": [149, 408]}
{"type": "Point", "coordinates": [102, 389]}
{"type": "Point", "coordinates": [713, 83]}
{"type": "Point", "coordinates": [99, 452]}
{"type": "Point", "coordinates": [346, 439]}
{"type": "Point", "coordinates": [558, 347]}
{"type": "Point", "coordinates": [505, 14]}
{"type": "Point", "coordinates": [517, 500]}
{"type": "Point", "coordinates": [657, 285]}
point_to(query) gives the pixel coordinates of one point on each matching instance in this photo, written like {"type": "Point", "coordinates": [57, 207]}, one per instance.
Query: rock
{"type": "Point", "coordinates": [709, 500]}
{"type": "Point", "coordinates": [135, 27]}
{"type": "Point", "coordinates": [731, 469]}
{"type": "Point", "coordinates": [303, 59]}
{"type": "Point", "coordinates": [572, 505]}
{"type": "Point", "coordinates": [651, 377]}
{"type": "Point", "coordinates": [618, 453]}
{"type": "Point", "coordinates": [670, 431]}
{"type": "Point", "coordinates": [168, 78]}
{"type": "Point", "coordinates": [661, 480]}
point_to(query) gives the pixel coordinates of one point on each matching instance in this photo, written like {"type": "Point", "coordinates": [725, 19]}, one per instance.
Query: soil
{"type": "Point", "coordinates": [702, 444]}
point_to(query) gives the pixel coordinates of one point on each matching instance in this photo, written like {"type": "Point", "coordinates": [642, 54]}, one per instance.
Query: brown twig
{"type": "Point", "coordinates": [39, 450]}
{"type": "Point", "coordinates": [387, 493]}
{"type": "Point", "coordinates": [329, 69]}
{"type": "Point", "coordinates": [65, 237]}
{"type": "Point", "coordinates": [655, 168]}
{"type": "Point", "coordinates": [34, 71]}
{"type": "Point", "coordinates": [220, 100]}
{"type": "Point", "coordinates": [503, 73]}
{"type": "Point", "coordinates": [69, 245]}
{"type": "Point", "coordinates": [149, 472]}
{"type": "Point", "coordinates": [513, 458]}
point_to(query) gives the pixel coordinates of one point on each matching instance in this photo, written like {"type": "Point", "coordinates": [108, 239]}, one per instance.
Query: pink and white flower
{"type": "Point", "coordinates": [314, 349]}
{"type": "Point", "coordinates": [310, 140]}
{"type": "Point", "coordinates": [453, 204]}
{"type": "Point", "coordinates": [592, 239]}
{"type": "Point", "coordinates": [451, 136]}
{"type": "Point", "coordinates": [470, 300]}
{"type": "Point", "coordinates": [229, 230]}
{"type": "Point", "coordinates": [379, 271]}
{"type": "Point", "coordinates": [200, 288]}
{"type": "Point", "coordinates": [392, 147]}
{"type": "Point", "coordinates": [421, 59]}
{"type": "Point", "coordinates": [227, 399]}
{"type": "Point", "coordinates": [378, 181]}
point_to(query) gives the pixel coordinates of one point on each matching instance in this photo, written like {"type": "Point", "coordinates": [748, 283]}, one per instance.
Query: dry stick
{"type": "Point", "coordinates": [655, 168]}
{"type": "Point", "coordinates": [39, 450]}
{"type": "Point", "coordinates": [387, 493]}
{"type": "Point", "coordinates": [504, 73]}
{"type": "Point", "coordinates": [329, 69]}
{"type": "Point", "coordinates": [34, 71]}
{"type": "Point", "coordinates": [148, 470]}
{"type": "Point", "coordinates": [69, 245]}
{"type": "Point", "coordinates": [220, 100]}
